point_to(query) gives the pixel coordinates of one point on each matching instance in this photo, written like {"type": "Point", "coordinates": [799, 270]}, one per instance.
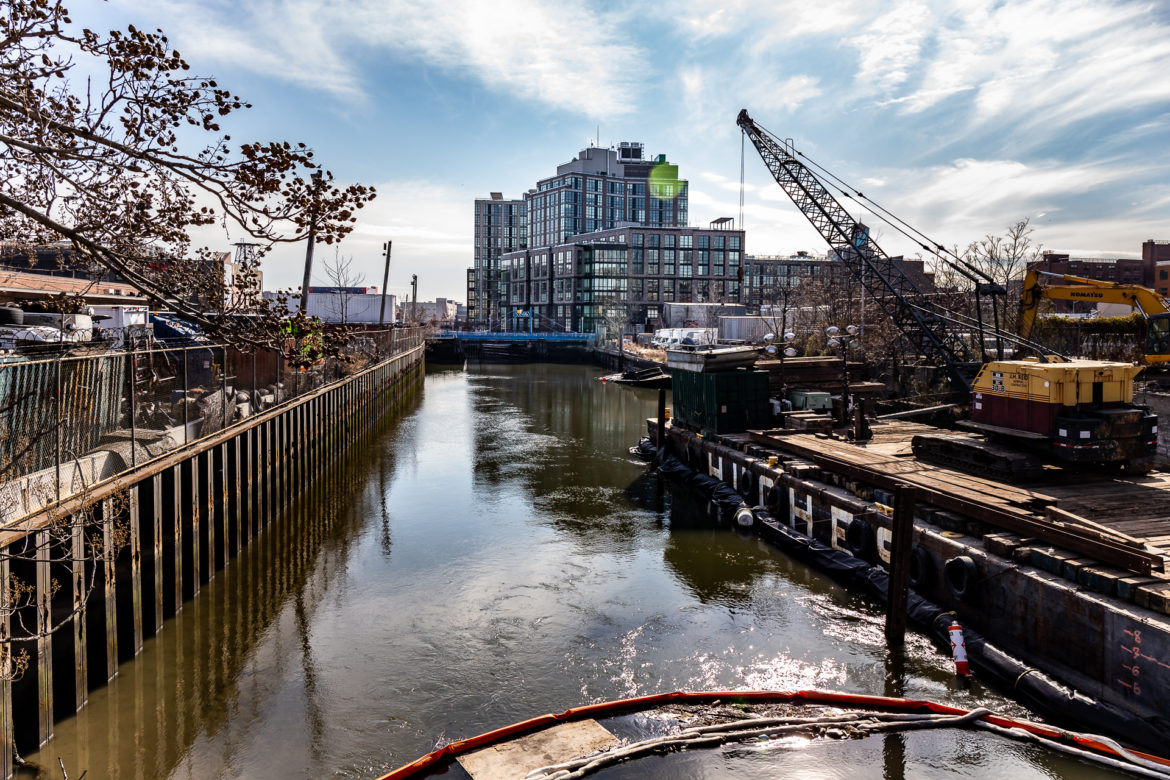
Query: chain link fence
{"type": "Point", "coordinates": [71, 421]}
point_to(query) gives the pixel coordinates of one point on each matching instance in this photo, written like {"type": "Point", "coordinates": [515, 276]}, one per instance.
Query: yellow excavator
{"type": "Point", "coordinates": [1152, 306]}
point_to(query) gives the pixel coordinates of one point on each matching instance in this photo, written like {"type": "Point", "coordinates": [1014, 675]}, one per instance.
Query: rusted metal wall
{"type": "Point", "coordinates": [167, 527]}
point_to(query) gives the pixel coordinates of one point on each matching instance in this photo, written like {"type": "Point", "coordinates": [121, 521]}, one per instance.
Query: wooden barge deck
{"type": "Point", "coordinates": [1070, 571]}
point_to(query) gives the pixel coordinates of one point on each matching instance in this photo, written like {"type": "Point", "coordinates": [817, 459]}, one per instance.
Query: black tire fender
{"type": "Point", "coordinates": [960, 574]}
{"type": "Point", "coordinates": [776, 498]}
{"type": "Point", "coordinates": [860, 538]}
{"type": "Point", "coordinates": [748, 485]}
{"type": "Point", "coordinates": [922, 570]}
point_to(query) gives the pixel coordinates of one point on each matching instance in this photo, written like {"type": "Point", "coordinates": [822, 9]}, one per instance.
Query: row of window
{"type": "Point", "coordinates": [625, 290]}
{"type": "Point", "coordinates": [608, 185]}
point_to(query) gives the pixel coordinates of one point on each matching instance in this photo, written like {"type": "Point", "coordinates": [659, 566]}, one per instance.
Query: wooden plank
{"type": "Point", "coordinates": [1061, 515]}
{"type": "Point", "coordinates": [555, 745]}
{"type": "Point", "coordinates": [978, 507]}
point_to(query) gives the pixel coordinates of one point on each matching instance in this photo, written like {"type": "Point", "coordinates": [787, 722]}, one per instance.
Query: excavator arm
{"type": "Point", "coordinates": [1152, 306]}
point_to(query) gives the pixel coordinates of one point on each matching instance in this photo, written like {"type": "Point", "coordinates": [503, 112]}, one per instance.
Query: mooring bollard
{"type": "Point", "coordinates": [900, 546]}
{"type": "Point", "coordinates": [660, 430]}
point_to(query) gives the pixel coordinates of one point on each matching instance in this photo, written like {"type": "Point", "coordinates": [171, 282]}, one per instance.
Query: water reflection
{"type": "Point", "coordinates": [494, 555]}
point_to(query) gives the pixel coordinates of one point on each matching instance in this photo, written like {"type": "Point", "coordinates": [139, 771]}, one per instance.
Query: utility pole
{"type": "Point", "coordinates": [413, 299]}
{"type": "Point", "coordinates": [312, 241]}
{"type": "Point", "coordinates": [385, 281]}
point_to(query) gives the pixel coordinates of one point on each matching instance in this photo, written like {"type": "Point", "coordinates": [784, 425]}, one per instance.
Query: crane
{"type": "Point", "coordinates": [938, 333]}
{"type": "Point", "coordinates": [1152, 306]}
{"type": "Point", "coordinates": [1079, 411]}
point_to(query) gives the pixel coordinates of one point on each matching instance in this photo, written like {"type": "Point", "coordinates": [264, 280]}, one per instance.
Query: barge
{"type": "Point", "coordinates": [1068, 574]}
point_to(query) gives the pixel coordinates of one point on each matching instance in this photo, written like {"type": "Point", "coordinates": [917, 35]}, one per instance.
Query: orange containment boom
{"type": "Point", "coordinates": [453, 750]}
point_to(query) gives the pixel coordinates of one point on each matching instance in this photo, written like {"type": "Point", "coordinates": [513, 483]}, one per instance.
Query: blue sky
{"type": "Point", "coordinates": [961, 117]}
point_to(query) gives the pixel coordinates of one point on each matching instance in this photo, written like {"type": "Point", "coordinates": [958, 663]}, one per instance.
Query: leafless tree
{"type": "Point", "coordinates": [341, 275]}
{"type": "Point", "coordinates": [95, 150]}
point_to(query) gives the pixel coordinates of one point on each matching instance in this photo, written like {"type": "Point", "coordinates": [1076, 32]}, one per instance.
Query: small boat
{"type": "Point", "coordinates": [653, 378]}
{"type": "Point", "coordinates": [711, 359]}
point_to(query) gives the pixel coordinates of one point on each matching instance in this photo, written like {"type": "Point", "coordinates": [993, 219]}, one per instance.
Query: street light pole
{"type": "Point", "coordinates": [413, 299]}
{"type": "Point", "coordinates": [385, 281]}
{"type": "Point", "coordinates": [842, 340]}
{"type": "Point", "coordinates": [312, 241]}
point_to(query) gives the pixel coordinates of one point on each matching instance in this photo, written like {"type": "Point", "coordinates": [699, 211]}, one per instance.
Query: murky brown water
{"type": "Point", "coordinates": [496, 555]}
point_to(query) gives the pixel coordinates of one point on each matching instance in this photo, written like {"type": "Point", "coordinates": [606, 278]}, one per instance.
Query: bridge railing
{"type": "Point", "coordinates": [71, 421]}
{"type": "Point", "coordinates": [484, 335]}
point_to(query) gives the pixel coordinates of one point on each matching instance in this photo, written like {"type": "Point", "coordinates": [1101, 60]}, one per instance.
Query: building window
{"type": "Point", "coordinates": [684, 242]}
{"type": "Point", "coordinates": [635, 239]}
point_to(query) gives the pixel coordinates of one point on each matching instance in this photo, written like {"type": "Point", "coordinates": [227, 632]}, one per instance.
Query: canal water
{"type": "Point", "coordinates": [492, 555]}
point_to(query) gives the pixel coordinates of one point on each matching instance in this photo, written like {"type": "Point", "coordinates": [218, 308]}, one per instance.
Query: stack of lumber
{"type": "Point", "coordinates": [814, 373]}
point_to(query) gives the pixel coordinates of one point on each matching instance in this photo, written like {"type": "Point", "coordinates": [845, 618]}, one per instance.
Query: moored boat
{"type": "Point", "coordinates": [710, 359]}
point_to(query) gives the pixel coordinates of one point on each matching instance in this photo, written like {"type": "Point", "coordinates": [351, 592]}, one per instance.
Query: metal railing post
{"type": "Point", "coordinates": [184, 351]}
{"type": "Point", "coordinates": [133, 408]}
{"type": "Point", "coordinates": [223, 374]}
{"type": "Point", "coordinates": [57, 445]}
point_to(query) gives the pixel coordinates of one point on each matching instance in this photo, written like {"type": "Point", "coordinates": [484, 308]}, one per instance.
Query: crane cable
{"type": "Point", "coordinates": [742, 144]}
{"type": "Point", "coordinates": [893, 220]}
{"type": "Point", "coordinates": [915, 235]}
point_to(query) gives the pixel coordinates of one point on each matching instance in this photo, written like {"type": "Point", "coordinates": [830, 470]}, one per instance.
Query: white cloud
{"type": "Point", "coordinates": [890, 48]}
{"type": "Point", "coordinates": [772, 94]}
{"type": "Point", "coordinates": [430, 225]}
{"type": "Point", "coordinates": [537, 49]}
{"type": "Point", "coordinates": [1044, 63]}
{"type": "Point", "coordinates": [981, 190]}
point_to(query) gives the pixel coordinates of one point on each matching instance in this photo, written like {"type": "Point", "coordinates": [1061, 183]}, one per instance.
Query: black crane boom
{"type": "Point", "coordinates": [937, 333]}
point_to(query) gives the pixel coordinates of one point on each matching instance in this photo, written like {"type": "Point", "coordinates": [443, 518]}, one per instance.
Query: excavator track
{"type": "Point", "coordinates": [977, 456]}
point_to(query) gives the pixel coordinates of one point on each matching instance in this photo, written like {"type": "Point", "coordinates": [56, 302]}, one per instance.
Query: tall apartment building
{"type": "Point", "coordinates": [500, 227]}
{"type": "Point", "coordinates": [623, 276]}
{"type": "Point", "coordinates": [598, 190]}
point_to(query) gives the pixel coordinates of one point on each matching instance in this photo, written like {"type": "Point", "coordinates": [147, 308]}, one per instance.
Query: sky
{"type": "Point", "coordinates": [960, 117]}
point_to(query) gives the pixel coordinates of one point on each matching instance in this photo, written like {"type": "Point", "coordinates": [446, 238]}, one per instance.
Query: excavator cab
{"type": "Point", "coordinates": [1158, 339]}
